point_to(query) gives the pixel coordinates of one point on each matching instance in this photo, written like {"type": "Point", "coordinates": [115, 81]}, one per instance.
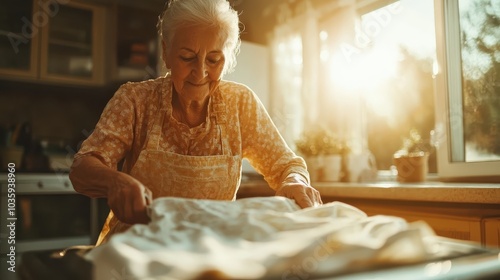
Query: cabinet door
{"type": "Point", "coordinates": [456, 227]}
{"type": "Point", "coordinates": [492, 232]}
{"type": "Point", "coordinates": [72, 45]}
{"type": "Point", "coordinates": [19, 31]}
{"type": "Point", "coordinates": [136, 44]}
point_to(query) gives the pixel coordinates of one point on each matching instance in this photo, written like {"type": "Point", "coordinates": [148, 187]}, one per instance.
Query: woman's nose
{"type": "Point", "coordinates": [200, 70]}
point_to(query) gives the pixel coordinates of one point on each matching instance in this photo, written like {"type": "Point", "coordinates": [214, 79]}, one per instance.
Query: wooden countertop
{"type": "Point", "coordinates": [425, 192]}
{"type": "Point", "coordinates": [431, 191]}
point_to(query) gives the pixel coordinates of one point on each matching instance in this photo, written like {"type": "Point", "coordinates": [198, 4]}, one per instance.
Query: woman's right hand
{"type": "Point", "coordinates": [128, 199]}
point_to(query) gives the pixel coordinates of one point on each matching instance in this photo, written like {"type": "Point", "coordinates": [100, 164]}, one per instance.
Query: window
{"type": "Point", "coordinates": [400, 44]}
{"type": "Point", "coordinates": [387, 67]}
{"type": "Point", "coordinates": [377, 77]}
{"type": "Point", "coordinates": [468, 89]}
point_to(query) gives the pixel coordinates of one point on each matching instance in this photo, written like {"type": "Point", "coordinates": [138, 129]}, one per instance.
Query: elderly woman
{"type": "Point", "coordinates": [185, 134]}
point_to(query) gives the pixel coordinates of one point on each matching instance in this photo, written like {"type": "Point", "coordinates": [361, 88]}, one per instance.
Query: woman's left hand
{"type": "Point", "coordinates": [295, 187]}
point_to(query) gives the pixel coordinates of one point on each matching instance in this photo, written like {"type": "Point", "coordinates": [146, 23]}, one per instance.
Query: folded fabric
{"type": "Point", "coordinates": [255, 238]}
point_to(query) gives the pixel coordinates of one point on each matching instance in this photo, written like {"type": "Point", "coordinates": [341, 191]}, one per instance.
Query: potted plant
{"type": "Point", "coordinates": [411, 160]}
{"type": "Point", "coordinates": [322, 150]}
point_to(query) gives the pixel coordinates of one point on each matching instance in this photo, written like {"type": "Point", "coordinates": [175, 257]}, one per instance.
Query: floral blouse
{"type": "Point", "coordinates": [123, 127]}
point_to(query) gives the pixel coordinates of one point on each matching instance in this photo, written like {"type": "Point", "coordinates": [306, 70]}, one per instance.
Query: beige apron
{"type": "Point", "coordinates": [170, 174]}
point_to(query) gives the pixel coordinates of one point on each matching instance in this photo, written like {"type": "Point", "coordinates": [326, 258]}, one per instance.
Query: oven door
{"type": "Point", "coordinates": [49, 214]}
{"type": "Point", "coordinates": [52, 220]}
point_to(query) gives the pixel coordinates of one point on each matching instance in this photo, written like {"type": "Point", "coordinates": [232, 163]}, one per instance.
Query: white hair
{"type": "Point", "coordinates": [215, 13]}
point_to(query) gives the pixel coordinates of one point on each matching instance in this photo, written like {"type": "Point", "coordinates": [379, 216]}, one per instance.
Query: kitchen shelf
{"type": "Point", "coordinates": [50, 244]}
{"type": "Point", "coordinates": [66, 43]}
{"type": "Point", "coordinates": [12, 34]}
{"type": "Point", "coordinates": [68, 48]}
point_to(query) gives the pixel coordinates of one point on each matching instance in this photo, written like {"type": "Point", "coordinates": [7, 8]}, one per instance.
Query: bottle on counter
{"type": "Point", "coordinates": [10, 152]}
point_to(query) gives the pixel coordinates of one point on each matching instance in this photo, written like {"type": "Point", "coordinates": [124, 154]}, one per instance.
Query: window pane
{"type": "Point", "coordinates": [480, 51]}
{"type": "Point", "coordinates": [70, 42]}
{"type": "Point", "coordinates": [16, 33]}
{"type": "Point", "coordinates": [377, 81]}
{"type": "Point", "coordinates": [397, 43]}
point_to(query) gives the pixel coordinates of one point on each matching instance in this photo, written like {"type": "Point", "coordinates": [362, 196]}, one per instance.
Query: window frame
{"type": "Point", "coordinates": [449, 119]}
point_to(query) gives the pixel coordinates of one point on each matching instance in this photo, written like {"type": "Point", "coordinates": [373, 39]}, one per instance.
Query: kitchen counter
{"type": "Point", "coordinates": [431, 191]}
{"type": "Point", "coordinates": [426, 192]}
{"type": "Point", "coordinates": [463, 211]}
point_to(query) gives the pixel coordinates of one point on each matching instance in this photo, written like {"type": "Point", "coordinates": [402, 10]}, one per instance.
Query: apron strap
{"type": "Point", "coordinates": [154, 135]}
{"type": "Point", "coordinates": [220, 114]}
{"type": "Point", "coordinates": [154, 141]}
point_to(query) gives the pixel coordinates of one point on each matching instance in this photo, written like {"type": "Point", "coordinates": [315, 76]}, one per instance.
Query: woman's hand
{"type": "Point", "coordinates": [128, 199]}
{"type": "Point", "coordinates": [295, 187]}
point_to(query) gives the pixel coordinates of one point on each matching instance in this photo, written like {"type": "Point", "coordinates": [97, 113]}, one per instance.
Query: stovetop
{"type": "Point", "coordinates": [40, 183]}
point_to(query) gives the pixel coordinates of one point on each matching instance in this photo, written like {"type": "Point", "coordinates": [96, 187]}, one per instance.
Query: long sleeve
{"type": "Point", "coordinates": [114, 133]}
{"type": "Point", "coordinates": [123, 126]}
{"type": "Point", "coordinates": [263, 145]}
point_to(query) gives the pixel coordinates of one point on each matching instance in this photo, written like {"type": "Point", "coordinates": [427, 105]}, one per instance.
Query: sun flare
{"type": "Point", "coordinates": [367, 76]}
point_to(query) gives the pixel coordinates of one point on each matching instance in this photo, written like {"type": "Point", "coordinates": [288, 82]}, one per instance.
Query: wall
{"type": "Point", "coordinates": [56, 113]}
{"type": "Point", "coordinates": [253, 70]}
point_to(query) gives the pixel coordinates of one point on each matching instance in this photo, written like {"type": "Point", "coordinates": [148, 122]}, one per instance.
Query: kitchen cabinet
{"type": "Point", "coordinates": [45, 213]}
{"type": "Point", "coordinates": [17, 51]}
{"type": "Point", "coordinates": [55, 41]}
{"type": "Point", "coordinates": [137, 44]}
{"type": "Point", "coordinates": [476, 222]}
{"type": "Point", "coordinates": [492, 231]}
{"type": "Point", "coordinates": [443, 222]}
{"type": "Point", "coordinates": [453, 220]}
{"type": "Point", "coordinates": [92, 43]}
{"type": "Point", "coordinates": [461, 221]}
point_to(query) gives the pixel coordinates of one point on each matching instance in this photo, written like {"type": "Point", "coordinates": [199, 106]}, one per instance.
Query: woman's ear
{"type": "Point", "coordinates": [165, 56]}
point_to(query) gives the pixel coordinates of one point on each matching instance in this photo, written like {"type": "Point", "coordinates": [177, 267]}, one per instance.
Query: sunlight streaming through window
{"type": "Point", "coordinates": [389, 65]}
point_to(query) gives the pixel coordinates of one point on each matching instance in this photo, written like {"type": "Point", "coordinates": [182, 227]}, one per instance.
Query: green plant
{"type": "Point", "coordinates": [414, 144]}
{"type": "Point", "coordinates": [320, 141]}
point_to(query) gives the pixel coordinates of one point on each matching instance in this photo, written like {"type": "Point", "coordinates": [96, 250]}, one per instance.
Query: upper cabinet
{"type": "Point", "coordinates": [18, 51]}
{"type": "Point", "coordinates": [137, 44]}
{"type": "Point", "coordinates": [85, 42]}
{"type": "Point", "coordinates": [72, 48]}
{"type": "Point", "coordinates": [55, 41]}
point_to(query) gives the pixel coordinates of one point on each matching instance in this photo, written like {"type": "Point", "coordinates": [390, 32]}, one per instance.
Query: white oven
{"type": "Point", "coordinates": [48, 214]}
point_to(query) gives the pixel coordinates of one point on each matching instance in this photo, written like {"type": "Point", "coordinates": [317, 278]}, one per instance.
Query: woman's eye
{"type": "Point", "coordinates": [214, 60]}
{"type": "Point", "coordinates": [187, 59]}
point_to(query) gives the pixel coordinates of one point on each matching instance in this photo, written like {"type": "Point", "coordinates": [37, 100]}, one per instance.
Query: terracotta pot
{"type": "Point", "coordinates": [412, 168]}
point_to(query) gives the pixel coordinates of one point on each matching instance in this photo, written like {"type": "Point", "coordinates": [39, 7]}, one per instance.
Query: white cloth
{"type": "Point", "coordinates": [256, 238]}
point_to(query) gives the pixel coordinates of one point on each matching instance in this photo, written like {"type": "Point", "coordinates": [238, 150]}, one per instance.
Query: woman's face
{"type": "Point", "coordinates": [196, 61]}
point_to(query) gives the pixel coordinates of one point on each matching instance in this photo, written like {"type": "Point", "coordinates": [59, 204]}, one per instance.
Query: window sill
{"type": "Point", "coordinates": [387, 188]}
{"type": "Point", "coordinates": [429, 191]}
